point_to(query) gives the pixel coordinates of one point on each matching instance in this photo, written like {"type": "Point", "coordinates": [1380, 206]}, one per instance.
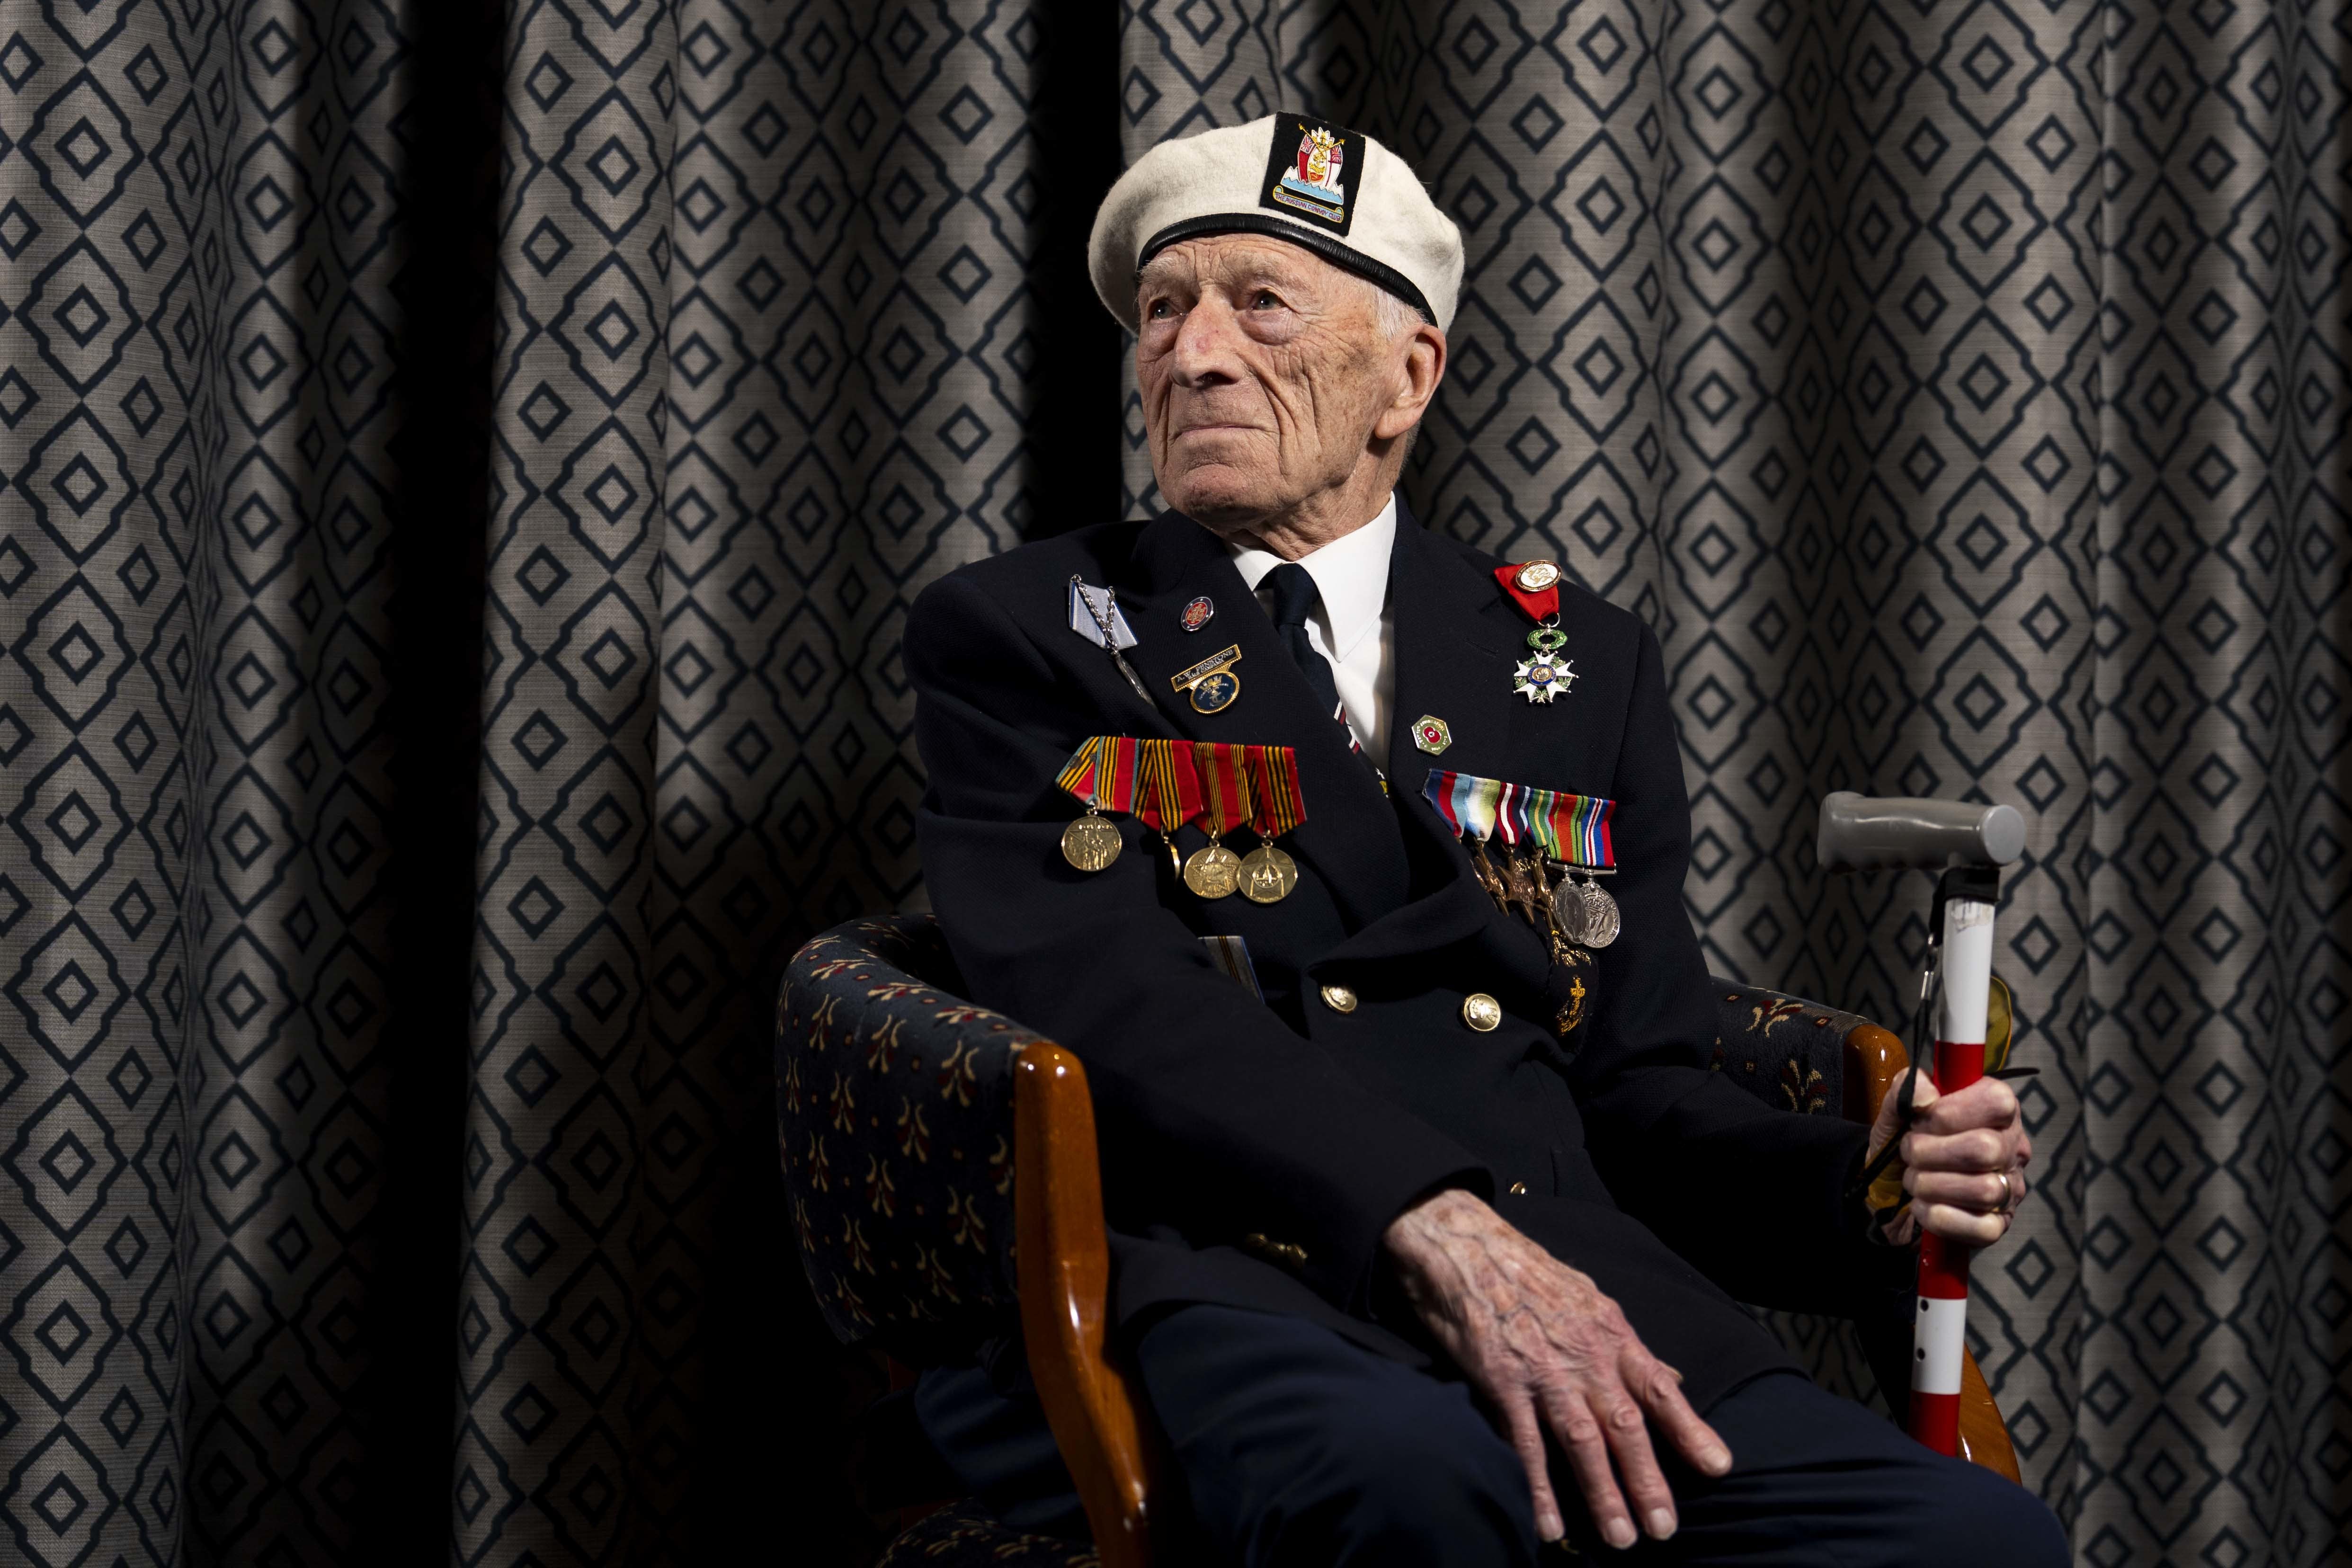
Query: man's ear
{"type": "Point", "coordinates": [1424, 367]}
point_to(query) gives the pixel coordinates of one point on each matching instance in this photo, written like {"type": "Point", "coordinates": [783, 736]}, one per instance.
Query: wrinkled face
{"type": "Point", "coordinates": [1262, 370]}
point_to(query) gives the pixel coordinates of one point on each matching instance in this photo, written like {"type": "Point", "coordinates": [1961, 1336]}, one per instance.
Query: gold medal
{"type": "Point", "coordinates": [1215, 872]}
{"type": "Point", "coordinates": [1521, 883]}
{"type": "Point", "coordinates": [1483, 870]}
{"type": "Point", "coordinates": [1090, 843]}
{"type": "Point", "coordinates": [1268, 875]}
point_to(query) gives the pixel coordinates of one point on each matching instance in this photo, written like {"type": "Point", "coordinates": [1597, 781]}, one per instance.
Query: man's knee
{"type": "Point", "coordinates": [1306, 1449]}
{"type": "Point", "coordinates": [1975, 1517]}
{"type": "Point", "coordinates": [1419, 1477]}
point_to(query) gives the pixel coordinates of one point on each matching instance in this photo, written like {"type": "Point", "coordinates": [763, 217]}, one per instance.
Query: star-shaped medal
{"type": "Point", "coordinates": [1543, 678]}
{"type": "Point", "coordinates": [1544, 675]}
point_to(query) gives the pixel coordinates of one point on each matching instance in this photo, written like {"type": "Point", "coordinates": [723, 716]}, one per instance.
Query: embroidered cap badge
{"type": "Point", "coordinates": [1314, 174]}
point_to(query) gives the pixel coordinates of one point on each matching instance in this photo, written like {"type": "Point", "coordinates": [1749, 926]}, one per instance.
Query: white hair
{"type": "Point", "coordinates": [1390, 313]}
{"type": "Point", "coordinates": [1394, 320]}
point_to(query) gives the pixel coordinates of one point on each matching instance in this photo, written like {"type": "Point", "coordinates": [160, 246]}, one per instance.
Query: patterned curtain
{"type": "Point", "coordinates": [463, 475]}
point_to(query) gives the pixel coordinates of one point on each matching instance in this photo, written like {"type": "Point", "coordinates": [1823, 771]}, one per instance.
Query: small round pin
{"type": "Point", "coordinates": [1198, 613]}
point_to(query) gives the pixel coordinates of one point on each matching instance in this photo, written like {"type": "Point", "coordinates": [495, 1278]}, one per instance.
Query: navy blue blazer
{"type": "Point", "coordinates": [1254, 1151]}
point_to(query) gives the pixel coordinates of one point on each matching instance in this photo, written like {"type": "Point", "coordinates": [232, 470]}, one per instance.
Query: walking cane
{"type": "Point", "coordinates": [1969, 844]}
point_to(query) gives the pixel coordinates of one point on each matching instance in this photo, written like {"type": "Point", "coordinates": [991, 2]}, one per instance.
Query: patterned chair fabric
{"type": "Point", "coordinates": [1785, 1050]}
{"type": "Point", "coordinates": [963, 1533]}
{"type": "Point", "coordinates": [893, 1119]}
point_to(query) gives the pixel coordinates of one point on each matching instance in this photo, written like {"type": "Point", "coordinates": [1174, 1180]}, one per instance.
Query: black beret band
{"type": "Point", "coordinates": [1329, 249]}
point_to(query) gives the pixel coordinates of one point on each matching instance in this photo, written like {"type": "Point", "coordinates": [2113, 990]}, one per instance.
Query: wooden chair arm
{"type": "Point", "coordinates": [1064, 1264]}
{"type": "Point", "coordinates": [1874, 1059]}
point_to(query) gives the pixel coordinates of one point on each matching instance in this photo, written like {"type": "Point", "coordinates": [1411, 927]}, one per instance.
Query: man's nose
{"type": "Point", "coordinates": [1207, 344]}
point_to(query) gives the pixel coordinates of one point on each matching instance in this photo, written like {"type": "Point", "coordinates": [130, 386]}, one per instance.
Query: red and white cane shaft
{"type": "Point", "coordinates": [1939, 1335]}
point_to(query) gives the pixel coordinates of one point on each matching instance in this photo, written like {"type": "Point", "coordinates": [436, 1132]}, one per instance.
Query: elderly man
{"type": "Point", "coordinates": [1428, 1218]}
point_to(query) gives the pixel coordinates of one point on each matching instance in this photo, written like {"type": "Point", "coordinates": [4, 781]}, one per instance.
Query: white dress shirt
{"type": "Point", "coordinates": [1353, 627]}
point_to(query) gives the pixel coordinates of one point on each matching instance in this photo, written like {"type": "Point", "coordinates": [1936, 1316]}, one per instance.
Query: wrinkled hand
{"type": "Point", "coordinates": [1545, 1348]}
{"type": "Point", "coordinates": [1955, 1154]}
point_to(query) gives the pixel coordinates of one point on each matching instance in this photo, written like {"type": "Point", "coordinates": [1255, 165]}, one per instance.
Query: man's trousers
{"type": "Point", "coordinates": [1297, 1448]}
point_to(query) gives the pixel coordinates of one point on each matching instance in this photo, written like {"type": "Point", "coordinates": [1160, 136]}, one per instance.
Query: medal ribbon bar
{"type": "Point", "coordinates": [1467, 801]}
{"type": "Point", "coordinates": [1281, 806]}
{"type": "Point", "coordinates": [1170, 792]}
{"type": "Point", "coordinates": [1570, 828]}
{"type": "Point", "coordinates": [1101, 772]}
{"type": "Point", "coordinates": [1224, 787]}
{"type": "Point", "coordinates": [1516, 811]}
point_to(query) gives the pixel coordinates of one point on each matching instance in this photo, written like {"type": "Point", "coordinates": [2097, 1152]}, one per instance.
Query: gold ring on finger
{"type": "Point", "coordinates": [2007, 1195]}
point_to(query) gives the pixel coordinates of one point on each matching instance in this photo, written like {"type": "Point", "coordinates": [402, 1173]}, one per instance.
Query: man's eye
{"type": "Point", "coordinates": [1161, 310]}
{"type": "Point", "coordinates": [1265, 301]}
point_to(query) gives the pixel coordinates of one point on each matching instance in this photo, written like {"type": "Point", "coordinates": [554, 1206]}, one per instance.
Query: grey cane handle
{"type": "Point", "coordinates": [1894, 833]}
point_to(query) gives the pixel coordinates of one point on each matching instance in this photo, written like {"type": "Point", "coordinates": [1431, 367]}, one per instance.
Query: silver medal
{"type": "Point", "coordinates": [1602, 921]}
{"type": "Point", "coordinates": [1568, 912]}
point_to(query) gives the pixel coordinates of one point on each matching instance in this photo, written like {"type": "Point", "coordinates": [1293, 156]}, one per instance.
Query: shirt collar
{"type": "Point", "coordinates": [1351, 573]}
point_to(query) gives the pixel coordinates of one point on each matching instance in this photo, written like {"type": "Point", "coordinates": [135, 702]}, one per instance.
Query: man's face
{"type": "Point", "coordinates": [1263, 370]}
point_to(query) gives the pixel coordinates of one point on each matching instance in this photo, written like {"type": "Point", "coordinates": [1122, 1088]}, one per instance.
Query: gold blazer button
{"type": "Point", "coordinates": [1481, 1012]}
{"type": "Point", "coordinates": [1518, 1189]}
{"type": "Point", "coordinates": [1339, 999]}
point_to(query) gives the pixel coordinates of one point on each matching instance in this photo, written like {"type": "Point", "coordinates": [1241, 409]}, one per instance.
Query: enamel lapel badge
{"type": "Point", "coordinates": [1212, 683]}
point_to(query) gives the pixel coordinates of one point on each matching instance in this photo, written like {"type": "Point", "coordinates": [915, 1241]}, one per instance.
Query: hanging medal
{"type": "Point", "coordinates": [1214, 871]}
{"type": "Point", "coordinates": [1538, 828]}
{"type": "Point", "coordinates": [1268, 873]}
{"type": "Point", "coordinates": [1167, 792]}
{"type": "Point", "coordinates": [1522, 871]}
{"type": "Point", "coordinates": [1095, 615]}
{"type": "Point", "coordinates": [1581, 824]}
{"type": "Point", "coordinates": [1535, 588]}
{"type": "Point", "coordinates": [1563, 904]}
{"type": "Point", "coordinates": [1100, 773]}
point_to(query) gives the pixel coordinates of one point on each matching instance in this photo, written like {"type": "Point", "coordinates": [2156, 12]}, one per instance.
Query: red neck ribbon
{"type": "Point", "coordinates": [1539, 606]}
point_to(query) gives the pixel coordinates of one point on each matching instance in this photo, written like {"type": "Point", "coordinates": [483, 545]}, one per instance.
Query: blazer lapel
{"type": "Point", "coordinates": [1458, 639]}
{"type": "Point", "coordinates": [1349, 836]}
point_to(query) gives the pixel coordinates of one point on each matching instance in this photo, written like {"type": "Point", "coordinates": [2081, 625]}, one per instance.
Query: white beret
{"type": "Point", "coordinates": [1334, 191]}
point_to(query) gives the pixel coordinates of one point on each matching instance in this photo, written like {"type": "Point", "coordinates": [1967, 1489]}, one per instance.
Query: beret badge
{"type": "Point", "coordinates": [1312, 171]}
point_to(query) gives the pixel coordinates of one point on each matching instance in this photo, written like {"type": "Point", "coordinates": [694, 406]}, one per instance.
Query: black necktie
{"type": "Point", "coordinates": [1295, 598]}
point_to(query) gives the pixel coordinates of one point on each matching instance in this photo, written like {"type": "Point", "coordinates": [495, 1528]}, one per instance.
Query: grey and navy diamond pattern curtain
{"type": "Point", "coordinates": [466, 467]}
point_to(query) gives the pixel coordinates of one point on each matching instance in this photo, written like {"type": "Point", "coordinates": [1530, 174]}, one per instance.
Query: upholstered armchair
{"type": "Point", "coordinates": [940, 1163]}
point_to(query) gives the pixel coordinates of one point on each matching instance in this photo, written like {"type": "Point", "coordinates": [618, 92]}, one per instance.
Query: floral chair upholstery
{"type": "Point", "coordinates": [960, 1534]}
{"type": "Point", "coordinates": [894, 1123]}
{"type": "Point", "coordinates": [1789, 1052]}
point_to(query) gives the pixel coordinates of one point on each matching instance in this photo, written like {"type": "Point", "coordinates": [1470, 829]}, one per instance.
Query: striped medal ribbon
{"type": "Point", "coordinates": [1469, 805]}
{"type": "Point", "coordinates": [1214, 871]}
{"type": "Point", "coordinates": [1167, 792]}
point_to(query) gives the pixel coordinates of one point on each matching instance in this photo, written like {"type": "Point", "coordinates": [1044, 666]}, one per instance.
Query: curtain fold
{"type": "Point", "coordinates": [466, 470]}
{"type": "Point", "coordinates": [203, 237]}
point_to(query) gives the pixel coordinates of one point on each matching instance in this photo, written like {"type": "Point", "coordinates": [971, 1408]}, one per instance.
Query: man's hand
{"type": "Point", "coordinates": [1964, 1159]}
{"type": "Point", "coordinates": [1545, 1348]}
